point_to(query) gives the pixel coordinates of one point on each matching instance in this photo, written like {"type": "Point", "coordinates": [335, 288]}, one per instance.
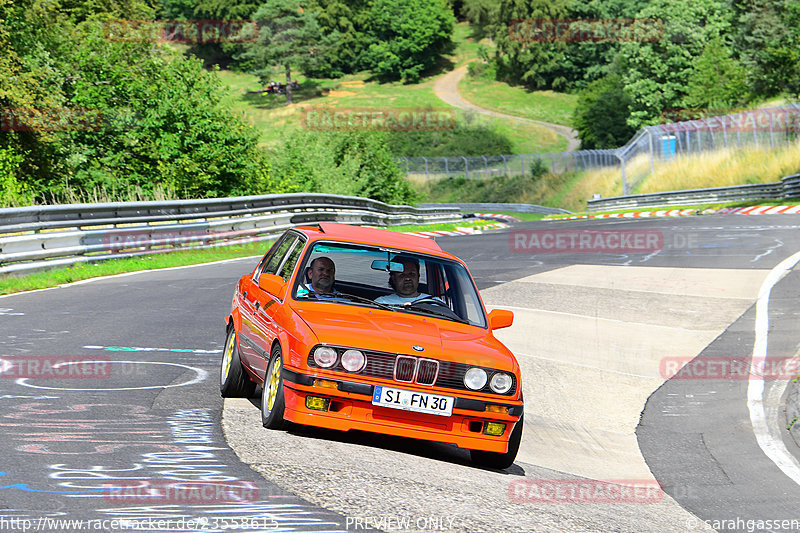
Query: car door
{"type": "Point", "coordinates": [262, 329]}
{"type": "Point", "coordinates": [251, 294]}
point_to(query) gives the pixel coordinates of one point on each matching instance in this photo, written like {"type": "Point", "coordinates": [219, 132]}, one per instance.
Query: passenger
{"type": "Point", "coordinates": [405, 283]}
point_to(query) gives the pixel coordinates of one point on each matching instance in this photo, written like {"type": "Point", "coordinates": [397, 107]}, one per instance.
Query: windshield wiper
{"type": "Point", "coordinates": [361, 299]}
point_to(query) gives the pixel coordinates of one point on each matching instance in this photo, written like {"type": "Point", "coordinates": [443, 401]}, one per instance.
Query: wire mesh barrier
{"type": "Point", "coordinates": [486, 166]}
{"type": "Point", "coordinates": [764, 128]}
{"type": "Point", "coordinates": [769, 127]}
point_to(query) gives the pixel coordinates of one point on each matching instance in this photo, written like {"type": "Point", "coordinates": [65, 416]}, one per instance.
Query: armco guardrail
{"type": "Point", "coordinates": [788, 187]}
{"type": "Point", "coordinates": [40, 237]}
{"type": "Point", "coordinates": [515, 208]}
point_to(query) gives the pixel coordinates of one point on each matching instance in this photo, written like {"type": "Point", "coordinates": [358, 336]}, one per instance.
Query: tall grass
{"type": "Point", "coordinates": [724, 168]}
{"type": "Point", "coordinates": [571, 190]}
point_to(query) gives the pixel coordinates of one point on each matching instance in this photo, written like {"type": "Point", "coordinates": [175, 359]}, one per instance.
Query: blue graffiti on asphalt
{"type": "Point", "coordinates": [24, 487]}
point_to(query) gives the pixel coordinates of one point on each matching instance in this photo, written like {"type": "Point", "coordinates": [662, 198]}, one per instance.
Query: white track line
{"type": "Point", "coordinates": [771, 445]}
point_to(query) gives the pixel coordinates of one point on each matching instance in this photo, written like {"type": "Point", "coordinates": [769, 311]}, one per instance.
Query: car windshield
{"type": "Point", "coordinates": [394, 280]}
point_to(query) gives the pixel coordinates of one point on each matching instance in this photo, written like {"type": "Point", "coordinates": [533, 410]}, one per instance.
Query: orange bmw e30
{"type": "Point", "coordinates": [346, 327]}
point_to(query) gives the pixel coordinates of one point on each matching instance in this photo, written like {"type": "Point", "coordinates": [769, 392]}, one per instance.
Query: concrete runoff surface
{"type": "Point", "coordinates": [588, 368]}
{"type": "Point", "coordinates": [586, 377]}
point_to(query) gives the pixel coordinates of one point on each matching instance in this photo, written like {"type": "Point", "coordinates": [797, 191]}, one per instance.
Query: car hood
{"type": "Point", "coordinates": [398, 332]}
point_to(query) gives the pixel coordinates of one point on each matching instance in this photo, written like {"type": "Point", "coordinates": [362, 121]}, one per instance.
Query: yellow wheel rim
{"type": "Point", "coordinates": [227, 356]}
{"type": "Point", "coordinates": [274, 380]}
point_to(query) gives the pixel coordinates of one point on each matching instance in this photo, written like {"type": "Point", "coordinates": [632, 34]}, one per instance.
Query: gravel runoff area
{"type": "Point", "coordinates": [394, 484]}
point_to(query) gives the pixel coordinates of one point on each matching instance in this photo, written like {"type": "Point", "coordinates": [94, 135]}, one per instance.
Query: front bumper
{"type": "Point", "coordinates": [351, 408]}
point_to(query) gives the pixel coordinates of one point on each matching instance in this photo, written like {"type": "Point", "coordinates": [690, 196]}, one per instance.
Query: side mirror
{"type": "Point", "coordinates": [500, 318]}
{"type": "Point", "coordinates": [275, 285]}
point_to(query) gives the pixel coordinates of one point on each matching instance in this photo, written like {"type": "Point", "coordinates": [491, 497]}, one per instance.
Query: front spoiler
{"type": "Point", "coordinates": [351, 408]}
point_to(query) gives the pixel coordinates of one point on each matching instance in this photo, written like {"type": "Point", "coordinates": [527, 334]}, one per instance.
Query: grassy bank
{"type": "Point", "coordinates": [571, 190]}
{"type": "Point", "coordinates": [275, 120]}
{"type": "Point", "coordinates": [547, 106]}
{"type": "Point", "coordinates": [546, 190]}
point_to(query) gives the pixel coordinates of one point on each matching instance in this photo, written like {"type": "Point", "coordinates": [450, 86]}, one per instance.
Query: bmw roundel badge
{"type": "Point", "coordinates": [418, 348]}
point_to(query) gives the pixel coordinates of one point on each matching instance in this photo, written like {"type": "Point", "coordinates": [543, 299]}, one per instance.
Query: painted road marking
{"type": "Point", "coordinates": [770, 444]}
{"type": "Point", "coordinates": [140, 349]}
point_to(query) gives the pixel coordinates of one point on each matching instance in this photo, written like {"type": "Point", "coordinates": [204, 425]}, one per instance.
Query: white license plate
{"type": "Point", "coordinates": [407, 400]}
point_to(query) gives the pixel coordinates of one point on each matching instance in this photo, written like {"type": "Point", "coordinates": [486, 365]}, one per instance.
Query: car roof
{"type": "Point", "coordinates": [374, 236]}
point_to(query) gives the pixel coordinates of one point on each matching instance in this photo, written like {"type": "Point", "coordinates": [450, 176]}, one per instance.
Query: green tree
{"type": "Point", "coordinates": [162, 122]}
{"type": "Point", "coordinates": [482, 14]}
{"type": "Point", "coordinates": [347, 20]}
{"type": "Point", "coordinates": [353, 163]}
{"type": "Point", "coordinates": [407, 37]}
{"type": "Point", "coordinates": [717, 81]}
{"type": "Point", "coordinates": [768, 42]}
{"type": "Point", "coordinates": [601, 114]}
{"type": "Point", "coordinates": [656, 74]}
{"type": "Point", "coordinates": [226, 54]}
{"type": "Point", "coordinates": [289, 37]}
{"type": "Point", "coordinates": [129, 114]}
{"type": "Point", "coordinates": [518, 58]}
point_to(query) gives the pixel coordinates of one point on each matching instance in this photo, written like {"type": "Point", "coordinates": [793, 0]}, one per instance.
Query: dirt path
{"type": "Point", "coordinates": [446, 88]}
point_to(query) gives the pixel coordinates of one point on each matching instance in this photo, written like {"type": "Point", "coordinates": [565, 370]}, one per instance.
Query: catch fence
{"type": "Point", "coordinates": [768, 127]}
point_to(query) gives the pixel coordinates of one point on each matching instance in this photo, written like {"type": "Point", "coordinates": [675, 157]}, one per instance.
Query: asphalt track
{"type": "Point", "coordinates": [592, 332]}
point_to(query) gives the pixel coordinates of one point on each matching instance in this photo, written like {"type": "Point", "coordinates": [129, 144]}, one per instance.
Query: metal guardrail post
{"type": "Point", "coordinates": [466, 167]}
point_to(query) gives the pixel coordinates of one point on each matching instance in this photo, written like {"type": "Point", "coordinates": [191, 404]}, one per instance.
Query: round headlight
{"type": "Point", "coordinates": [325, 356]}
{"type": "Point", "coordinates": [475, 378]}
{"type": "Point", "coordinates": [501, 383]}
{"type": "Point", "coordinates": [353, 360]}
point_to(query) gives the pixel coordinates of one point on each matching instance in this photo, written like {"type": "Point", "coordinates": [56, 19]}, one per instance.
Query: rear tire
{"type": "Point", "coordinates": [233, 380]}
{"type": "Point", "coordinates": [272, 401]}
{"type": "Point", "coordinates": [500, 460]}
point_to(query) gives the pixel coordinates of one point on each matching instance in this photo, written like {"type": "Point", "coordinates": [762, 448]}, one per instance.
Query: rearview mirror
{"type": "Point", "coordinates": [387, 266]}
{"type": "Point", "coordinates": [275, 285]}
{"type": "Point", "coordinates": [500, 318]}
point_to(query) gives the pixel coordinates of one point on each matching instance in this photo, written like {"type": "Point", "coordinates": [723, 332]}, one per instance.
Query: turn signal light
{"type": "Point", "coordinates": [327, 384]}
{"type": "Point", "coordinates": [496, 409]}
{"type": "Point", "coordinates": [315, 403]}
{"type": "Point", "coordinates": [494, 428]}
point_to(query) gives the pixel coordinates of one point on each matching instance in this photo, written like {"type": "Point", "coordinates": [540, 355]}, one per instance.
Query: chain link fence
{"type": "Point", "coordinates": [488, 166]}
{"type": "Point", "coordinates": [768, 127]}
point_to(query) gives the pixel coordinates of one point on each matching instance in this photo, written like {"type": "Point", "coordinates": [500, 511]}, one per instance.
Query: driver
{"type": "Point", "coordinates": [321, 275]}
{"type": "Point", "coordinates": [404, 283]}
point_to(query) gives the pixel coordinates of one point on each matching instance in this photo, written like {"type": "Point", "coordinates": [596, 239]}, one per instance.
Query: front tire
{"type": "Point", "coordinates": [499, 460]}
{"type": "Point", "coordinates": [272, 401]}
{"type": "Point", "coordinates": [233, 380]}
